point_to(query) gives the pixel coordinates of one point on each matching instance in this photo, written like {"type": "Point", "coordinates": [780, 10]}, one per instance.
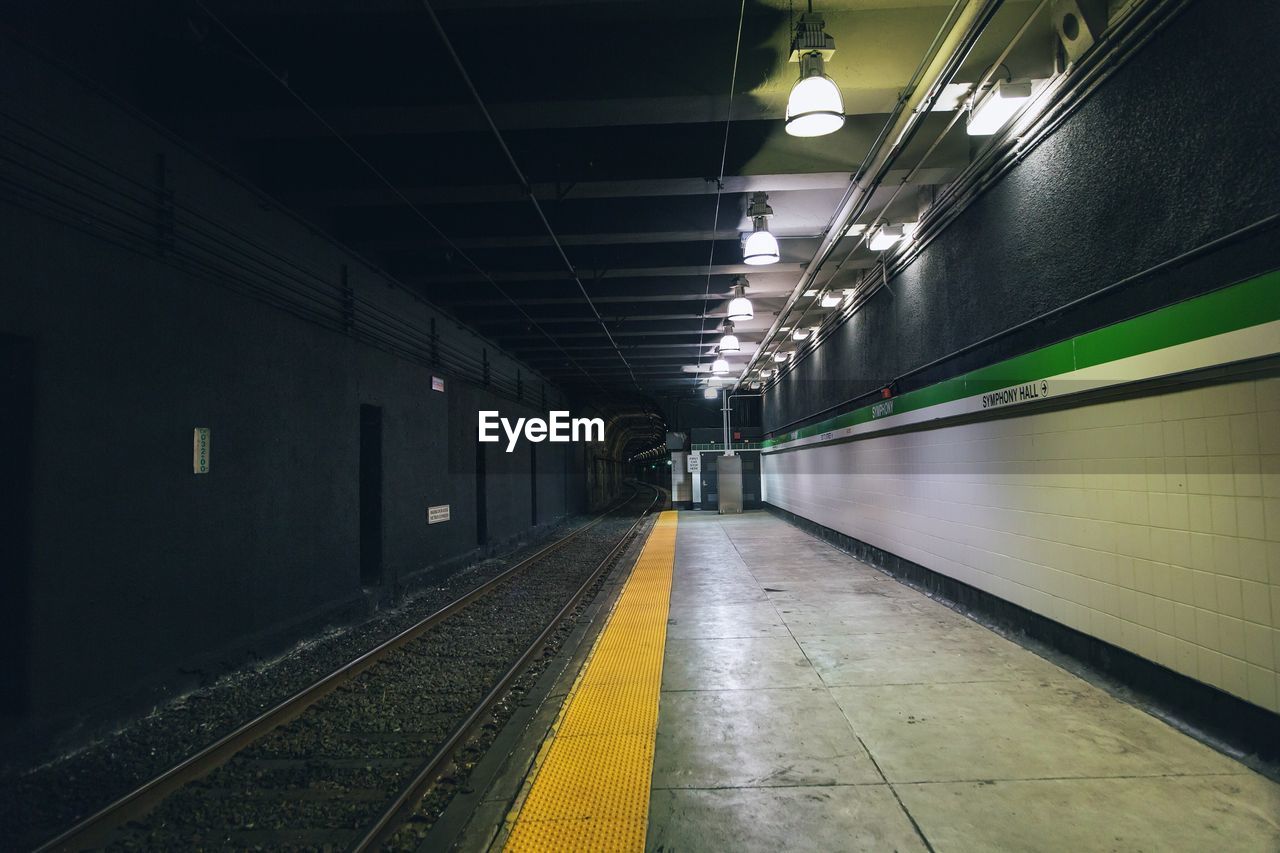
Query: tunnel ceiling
{"type": "Point", "coordinates": [614, 110]}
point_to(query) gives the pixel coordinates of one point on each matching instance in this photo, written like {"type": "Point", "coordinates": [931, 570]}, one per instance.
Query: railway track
{"type": "Point", "coordinates": [342, 763]}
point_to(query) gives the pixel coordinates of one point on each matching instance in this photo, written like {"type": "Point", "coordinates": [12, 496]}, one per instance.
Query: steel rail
{"type": "Point", "coordinates": [94, 830]}
{"type": "Point", "coordinates": [391, 819]}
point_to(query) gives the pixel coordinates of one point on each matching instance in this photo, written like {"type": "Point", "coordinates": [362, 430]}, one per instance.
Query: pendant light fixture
{"type": "Point", "coordinates": [815, 107]}
{"type": "Point", "coordinates": [760, 247]}
{"type": "Point", "coordinates": [710, 393]}
{"type": "Point", "coordinates": [740, 308]}
{"type": "Point", "coordinates": [720, 366]}
{"type": "Point", "coordinates": [729, 341]}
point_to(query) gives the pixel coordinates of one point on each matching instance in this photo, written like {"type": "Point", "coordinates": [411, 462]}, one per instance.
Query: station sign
{"type": "Point", "coordinates": [437, 514]}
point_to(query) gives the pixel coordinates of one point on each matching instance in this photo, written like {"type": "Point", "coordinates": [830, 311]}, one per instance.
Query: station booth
{"type": "Point", "coordinates": [703, 477]}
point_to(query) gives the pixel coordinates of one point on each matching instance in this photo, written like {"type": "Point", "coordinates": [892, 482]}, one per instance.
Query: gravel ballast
{"type": "Point", "coordinates": [325, 772]}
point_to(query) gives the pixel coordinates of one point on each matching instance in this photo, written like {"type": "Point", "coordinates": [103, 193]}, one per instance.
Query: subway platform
{"type": "Point", "coordinates": [799, 699]}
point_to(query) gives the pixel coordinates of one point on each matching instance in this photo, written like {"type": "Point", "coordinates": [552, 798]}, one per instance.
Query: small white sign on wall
{"type": "Point", "coordinates": [437, 384]}
{"type": "Point", "coordinates": [200, 451]}
{"type": "Point", "coordinates": [694, 462]}
{"type": "Point", "coordinates": [437, 514]}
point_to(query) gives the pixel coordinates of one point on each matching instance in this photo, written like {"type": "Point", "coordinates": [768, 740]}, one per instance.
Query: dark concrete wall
{"type": "Point", "coordinates": [142, 568]}
{"type": "Point", "coordinates": [1174, 150]}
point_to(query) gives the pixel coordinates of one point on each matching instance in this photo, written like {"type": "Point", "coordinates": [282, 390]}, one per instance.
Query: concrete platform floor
{"type": "Point", "coordinates": [810, 702]}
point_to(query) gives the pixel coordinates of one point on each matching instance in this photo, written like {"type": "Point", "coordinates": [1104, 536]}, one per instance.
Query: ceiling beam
{"type": "Point", "coordinates": [433, 119]}
{"type": "Point", "coordinates": [587, 274]}
{"type": "Point", "coordinates": [550, 191]}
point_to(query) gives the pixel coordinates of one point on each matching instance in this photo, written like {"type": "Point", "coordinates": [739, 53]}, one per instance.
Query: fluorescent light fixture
{"type": "Point", "coordinates": [885, 237]}
{"type": "Point", "coordinates": [994, 109]}
{"type": "Point", "coordinates": [831, 299]}
{"type": "Point", "coordinates": [710, 393]}
{"type": "Point", "coordinates": [740, 306]}
{"type": "Point", "coordinates": [719, 366]}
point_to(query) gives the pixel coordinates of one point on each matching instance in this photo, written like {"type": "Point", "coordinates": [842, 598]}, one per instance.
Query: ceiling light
{"type": "Point", "coordinates": [719, 366]}
{"type": "Point", "coordinates": [729, 342]}
{"type": "Point", "coordinates": [885, 237]}
{"type": "Point", "coordinates": [765, 373]}
{"type": "Point", "coordinates": [800, 334]}
{"type": "Point", "coordinates": [815, 107]}
{"type": "Point", "coordinates": [760, 247]}
{"type": "Point", "coordinates": [781, 356]}
{"type": "Point", "coordinates": [740, 306]}
{"type": "Point", "coordinates": [994, 109]}
{"type": "Point", "coordinates": [811, 292]}
{"type": "Point", "coordinates": [831, 299]}
{"type": "Point", "coordinates": [710, 393]}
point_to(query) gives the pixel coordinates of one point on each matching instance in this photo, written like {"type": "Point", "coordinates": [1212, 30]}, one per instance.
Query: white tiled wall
{"type": "Point", "coordinates": [1151, 523]}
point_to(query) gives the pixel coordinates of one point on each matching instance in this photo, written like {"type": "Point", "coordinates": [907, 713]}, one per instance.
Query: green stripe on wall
{"type": "Point", "coordinates": [1239, 306]}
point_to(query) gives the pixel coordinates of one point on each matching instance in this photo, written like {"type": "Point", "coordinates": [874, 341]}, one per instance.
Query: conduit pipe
{"type": "Point", "coordinates": [967, 25]}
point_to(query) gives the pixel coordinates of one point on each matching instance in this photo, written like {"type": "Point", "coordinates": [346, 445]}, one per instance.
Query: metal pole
{"type": "Point", "coordinates": [724, 419]}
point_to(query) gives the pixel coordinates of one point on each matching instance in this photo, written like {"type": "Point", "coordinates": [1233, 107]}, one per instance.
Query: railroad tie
{"type": "Point", "coordinates": [590, 788]}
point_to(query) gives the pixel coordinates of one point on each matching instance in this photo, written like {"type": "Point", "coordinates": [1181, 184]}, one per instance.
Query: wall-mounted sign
{"type": "Point", "coordinates": [437, 383]}
{"type": "Point", "coordinates": [200, 451]}
{"type": "Point", "coordinates": [437, 514]}
{"type": "Point", "coordinates": [694, 461]}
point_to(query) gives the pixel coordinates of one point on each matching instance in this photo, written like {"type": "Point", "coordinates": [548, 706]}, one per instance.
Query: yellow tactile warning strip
{"type": "Point", "coordinates": [590, 786]}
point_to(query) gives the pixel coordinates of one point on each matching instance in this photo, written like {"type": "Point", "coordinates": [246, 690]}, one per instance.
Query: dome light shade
{"type": "Point", "coordinates": [729, 341]}
{"type": "Point", "coordinates": [761, 247]}
{"type": "Point", "coordinates": [815, 107]}
{"type": "Point", "coordinates": [740, 306]}
{"type": "Point", "coordinates": [710, 393]}
{"type": "Point", "coordinates": [720, 366]}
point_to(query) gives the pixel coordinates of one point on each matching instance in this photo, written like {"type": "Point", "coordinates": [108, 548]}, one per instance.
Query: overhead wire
{"type": "Point", "coordinates": [524, 183]}
{"type": "Point", "coordinates": [724, 158]}
{"type": "Point", "coordinates": [306, 105]}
